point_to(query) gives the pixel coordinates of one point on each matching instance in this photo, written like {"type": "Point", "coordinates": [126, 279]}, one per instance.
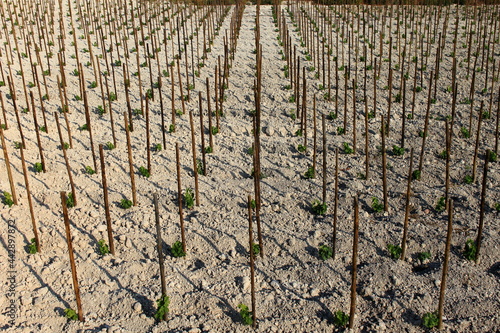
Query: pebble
{"type": "Point", "coordinates": [101, 228]}
{"type": "Point", "coordinates": [137, 307]}
{"type": "Point", "coordinates": [314, 292]}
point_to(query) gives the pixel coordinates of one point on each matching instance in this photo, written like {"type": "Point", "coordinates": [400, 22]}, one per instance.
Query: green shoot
{"type": "Point", "coordinates": [125, 203]}
{"type": "Point", "coordinates": [103, 247]}
{"type": "Point", "coordinates": [214, 130]}
{"type": "Point", "coordinates": [209, 150]}
{"type": "Point", "coordinates": [162, 303]}
{"type": "Point", "coordinates": [188, 198]}
{"type": "Point", "coordinates": [246, 314]}
{"type": "Point", "coordinates": [298, 132]}
{"type": "Point", "coordinates": [332, 115]}
{"type": "Point", "coordinates": [110, 146]}
{"type": "Point", "coordinates": [423, 256]}
{"type": "Point", "coordinates": [7, 199]}
{"type": "Point", "coordinates": [65, 146]}
{"type": "Point", "coordinates": [318, 207]}
{"type": "Point", "coordinates": [144, 172]}
{"type": "Point", "coordinates": [89, 170]}
{"type": "Point", "coordinates": [38, 167]}
{"type": "Point", "coordinates": [70, 200]}
{"type": "Point", "coordinates": [497, 206]}
{"type": "Point", "coordinates": [468, 179]}
{"type": "Point", "coordinates": [301, 148]}
{"type": "Point", "coordinates": [394, 251]}
{"type": "Point", "coordinates": [347, 148]}
{"type": "Point", "coordinates": [158, 147]}
{"type": "Point", "coordinates": [32, 246]}
{"type": "Point", "coordinates": [70, 314]}
{"type": "Point", "coordinates": [250, 151]}
{"type": "Point", "coordinates": [325, 252]}
{"type": "Point", "coordinates": [376, 205]}
{"type": "Point", "coordinates": [430, 320]}
{"type": "Point", "coordinates": [443, 155]}
{"type": "Point", "coordinates": [470, 250]}
{"type": "Point", "coordinates": [256, 249]}
{"type": "Point", "coordinates": [492, 156]}
{"type": "Point", "coordinates": [340, 130]}
{"type": "Point", "coordinates": [398, 151]}
{"type": "Point", "coordinates": [441, 204]}
{"type": "Point", "coordinates": [340, 319]}
{"type": "Point", "coordinates": [171, 128]}
{"type": "Point", "coordinates": [310, 173]}
{"type": "Point", "coordinates": [177, 250]}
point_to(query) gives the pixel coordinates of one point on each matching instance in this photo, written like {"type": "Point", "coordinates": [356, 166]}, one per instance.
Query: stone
{"type": "Point", "coordinates": [137, 307]}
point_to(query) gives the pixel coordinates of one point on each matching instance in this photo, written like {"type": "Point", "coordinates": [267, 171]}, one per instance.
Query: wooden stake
{"type": "Point", "coordinates": [252, 259]}
{"type": "Point", "coordinates": [37, 131]}
{"type": "Point", "coordinates": [179, 196]}
{"type": "Point", "coordinates": [130, 160]}
{"type": "Point", "coordinates": [202, 132]}
{"type": "Point", "coordinates": [482, 206]}
{"type": "Point", "coordinates": [72, 257]}
{"type": "Point", "coordinates": [354, 263]}
{"type": "Point", "coordinates": [66, 161]}
{"type": "Point", "coordinates": [30, 203]}
{"type": "Point", "coordinates": [336, 204]}
{"type": "Point", "coordinates": [445, 264]}
{"type": "Point", "coordinates": [407, 207]}
{"type": "Point", "coordinates": [159, 248]}
{"type": "Point", "coordinates": [384, 165]}
{"type": "Point", "coordinates": [106, 201]}
{"type": "Point", "coordinates": [195, 168]}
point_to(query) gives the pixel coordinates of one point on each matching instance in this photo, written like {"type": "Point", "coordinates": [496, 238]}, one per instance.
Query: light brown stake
{"type": "Point", "coordinates": [202, 133]}
{"type": "Point", "coordinates": [37, 131]}
{"type": "Point", "coordinates": [106, 201]}
{"type": "Point", "coordinates": [314, 135]}
{"type": "Point", "coordinates": [66, 161]}
{"type": "Point", "coordinates": [448, 151]}
{"type": "Point", "coordinates": [476, 148]}
{"type": "Point", "coordinates": [482, 207]}
{"type": "Point", "coordinates": [130, 160]}
{"type": "Point", "coordinates": [159, 248]}
{"type": "Point", "coordinates": [445, 264]}
{"type": "Point", "coordinates": [323, 125]}
{"type": "Point", "coordinates": [252, 259]}
{"type": "Point", "coordinates": [179, 196]}
{"type": "Point", "coordinates": [384, 165]}
{"type": "Point", "coordinates": [71, 257]}
{"type": "Point", "coordinates": [210, 135]}
{"type": "Point", "coordinates": [354, 263]}
{"type": "Point", "coordinates": [336, 202]}
{"type": "Point", "coordinates": [5, 124]}
{"type": "Point", "coordinates": [407, 207]}
{"type": "Point", "coordinates": [19, 127]}
{"type": "Point", "coordinates": [148, 142]}
{"type": "Point", "coordinates": [89, 128]}
{"type": "Point", "coordinates": [30, 203]}
{"type": "Point", "coordinates": [195, 167]}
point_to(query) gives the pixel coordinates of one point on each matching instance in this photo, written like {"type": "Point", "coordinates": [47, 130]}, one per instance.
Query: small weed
{"type": "Point", "coordinates": [398, 151]}
{"type": "Point", "coordinates": [486, 115]}
{"type": "Point", "coordinates": [416, 174]}
{"type": "Point", "coordinates": [418, 89]}
{"type": "Point", "coordinates": [246, 314]}
{"type": "Point", "coordinates": [214, 130]}
{"type": "Point", "coordinates": [32, 246]}
{"type": "Point", "coordinates": [347, 148]}
{"type": "Point", "coordinates": [497, 206]}
{"type": "Point", "coordinates": [332, 116]}
{"type": "Point", "coordinates": [65, 146]}
{"type": "Point", "coordinates": [84, 127]}
{"type": "Point", "coordinates": [470, 250]}
{"type": "Point", "coordinates": [189, 198]}
{"type": "Point", "coordinates": [70, 200]}
{"type": "Point", "coordinates": [171, 128]}
{"type": "Point", "coordinates": [162, 307]}
{"type": "Point", "coordinates": [100, 110]}
{"type": "Point", "coordinates": [468, 179]}
{"type": "Point", "coordinates": [157, 147]}
{"type": "Point", "coordinates": [376, 205]}
{"type": "Point", "coordinates": [149, 94]}
{"type": "Point", "coordinates": [340, 319]}
{"type": "Point", "coordinates": [325, 252]}
{"type": "Point", "coordinates": [464, 132]}
{"type": "Point", "coordinates": [441, 204]}
{"type": "Point", "coordinates": [177, 250]}
{"type": "Point", "coordinates": [89, 170]}
{"type": "Point", "coordinates": [7, 199]}
{"type": "Point", "coordinates": [70, 314]}
{"type": "Point", "coordinates": [492, 156]}
{"type": "Point", "coordinates": [199, 167]}
{"type": "Point", "coordinates": [17, 145]}
{"type": "Point", "coordinates": [125, 203]}
{"type": "Point", "coordinates": [422, 134]}
{"type": "Point", "coordinates": [310, 173]}
{"type": "Point", "coordinates": [298, 132]}
{"type": "Point", "coordinates": [256, 249]}
{"type": "Point", "coordinates": [110, 146]}
{"type": "Point", "coordinates": [253, 204]}
{"type": "Point", "coordinates": [340, 130]}
{"type": "Point", "coordinates": [301, 148]}
{"type": "Point", "coordinates": [38, 167]}
{"type": "Point", "coordinates": [443, 155]}
{"type": "Point", "coordinates": [423, 256]}
{"type": "Point", "coordinates": [93, 84]}
{"type": "Point", "coordinates": [397, 98]}
{"type": "Point", "coordinates": [291, 99]}
{"type": "Point", "coordinates": [209, 150]}
{"type": "Point", "coordinates": [394, 251]}
{"type": "Point", "coordinates": [318, 207]}
{"type": "Point", "coordinates": [293, 115]}
{"type": "Point", "coordinates": [430, 320]}
{"type": "Point", "coordinates": [103, 248]}
{"type": "Point", "coordinates": [144, 172]}
{"type": "Point", "coordinates": [112, 97]}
